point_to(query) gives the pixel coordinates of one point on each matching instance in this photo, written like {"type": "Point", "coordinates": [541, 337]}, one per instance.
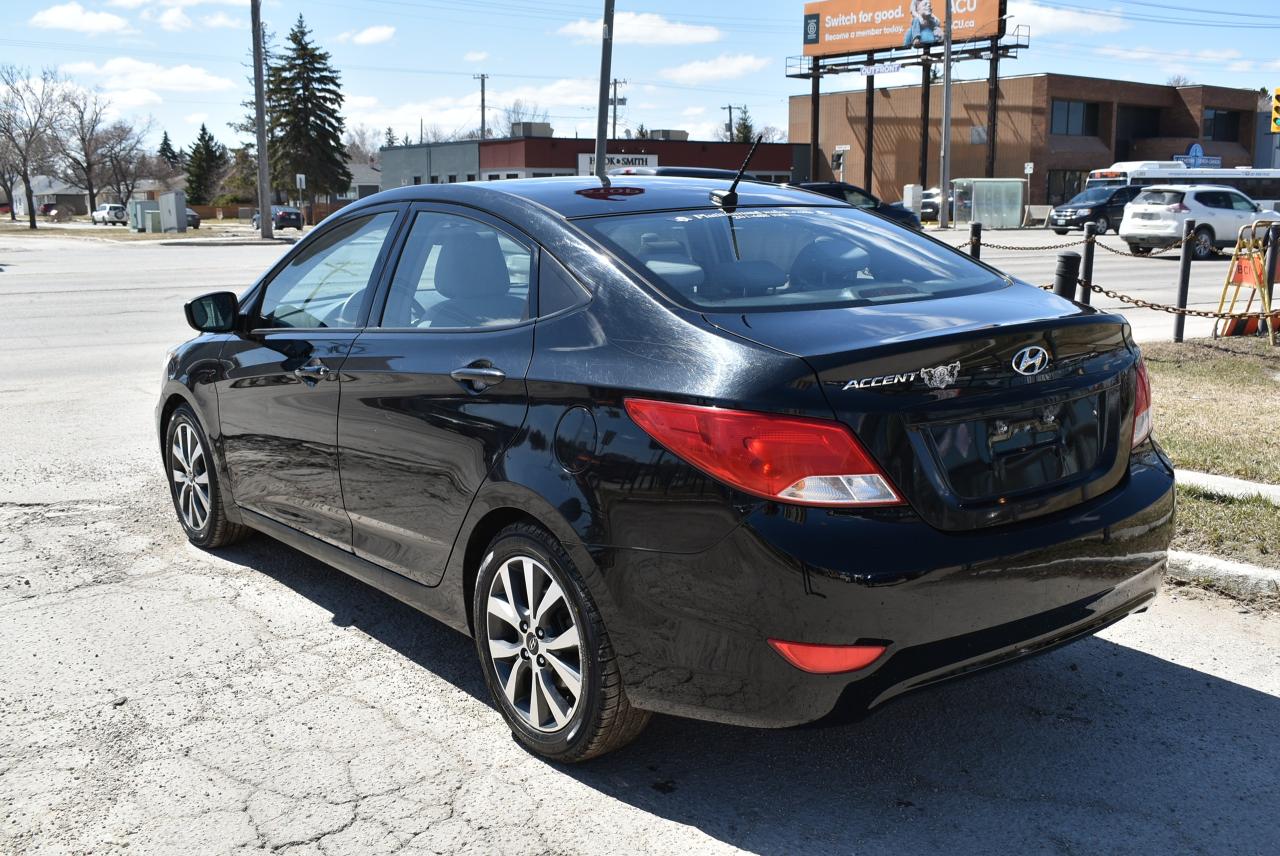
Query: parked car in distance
{"type": "Point", "coordinates": [282, 216]}
{"type": "Point", "coordinates": [109, 214]}
{"type": "Point", "coordinates": [48, 208]}
{"type": "Point", "coordinates": [859, 198]}
{"type": "Point", "coordinates": [1155, 218]}
{"type": "Point", "coordinates": [755, 464]}
{"type": "Point", "coordinates": [931, 203]}
{"type": "Point", "coordinates": [1101, 206]}
{"type": "Point", "coordinates": [193, 219]}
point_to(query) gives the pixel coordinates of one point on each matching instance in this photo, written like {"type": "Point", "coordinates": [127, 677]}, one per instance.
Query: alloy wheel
{"type": "Point", "coordinates": [1204, 245]}
{"type": "Point", "coordinates": [534, 644]}
{"type": "Point", "coordinates": [1102, 225]}
{"type": "Point", "coordinates": [189, 471]}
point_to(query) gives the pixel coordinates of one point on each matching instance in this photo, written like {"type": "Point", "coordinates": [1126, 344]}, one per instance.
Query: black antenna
{"type": "Point", "coordinates": [729, 198]}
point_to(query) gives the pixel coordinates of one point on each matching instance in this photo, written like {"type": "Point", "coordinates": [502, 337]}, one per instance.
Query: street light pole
{"type": "Point", "coordinates": [602, 110]}
{"type": "Point", "coordinates": [944, 207]}
{"type": "Point", "coordinates": [260, 120]}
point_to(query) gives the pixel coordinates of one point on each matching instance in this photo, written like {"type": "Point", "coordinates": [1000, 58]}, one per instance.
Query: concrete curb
{"type": "Point", "coordinates": [1227, 486]}
{"type": "Point", "coordinates": [225, 242]}
{"type": "Point", "coordinates": [1236, 578]}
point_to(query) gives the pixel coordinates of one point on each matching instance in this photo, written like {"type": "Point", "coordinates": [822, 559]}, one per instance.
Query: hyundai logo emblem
{"type": "Point", "coordinates": [1031, 360]}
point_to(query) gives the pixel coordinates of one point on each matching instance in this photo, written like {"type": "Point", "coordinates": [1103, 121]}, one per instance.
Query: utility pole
{"type": "Point", "coordinates": [944, 208]}
{"type": "Point", "coordinates": [615, 102]}
{"type": "Point", "coordinates": [482, 78]}
{"type": "Point", "coordinates": [602, 109]}
{"type": "Point", "coordinates": [260, 120]}
{"type": "Point", "coordinates": [729, 127]}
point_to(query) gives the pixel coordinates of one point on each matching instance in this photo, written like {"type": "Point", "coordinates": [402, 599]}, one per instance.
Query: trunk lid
{"type": "Point", "coordinates": [931, 390]}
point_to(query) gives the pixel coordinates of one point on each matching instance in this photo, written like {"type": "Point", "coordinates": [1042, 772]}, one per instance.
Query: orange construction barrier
{"type": "Point", "coordinates": [1247, 275]}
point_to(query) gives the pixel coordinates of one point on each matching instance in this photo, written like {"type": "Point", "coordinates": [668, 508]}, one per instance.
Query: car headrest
{"type": "Point", "coordinates": [471, 265]}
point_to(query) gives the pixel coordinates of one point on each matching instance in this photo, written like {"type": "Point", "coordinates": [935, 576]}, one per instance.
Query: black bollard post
{"type": "Point", "coordinates": [1067, 275]}
{"type": "Point", "coordinates": [975, 240]}
{"type": "Point", "coordinates": [1086, 265]}
{"type": "Point", "coordinates": [1273, 259]}
{"type": "Point", "coordinates": [1184, 278]}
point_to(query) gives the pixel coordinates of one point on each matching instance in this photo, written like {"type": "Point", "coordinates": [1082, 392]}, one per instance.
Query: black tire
{"type": "Point", "coordinates": [215, 530]}
{"type": "Point", "coordinates": [1060, 231]}
{"type": "Point", "coordinates": [1139, 250]}
{"type": "Point", "coordinates": [1202, 243]}
{"type": "Point", "coordinates": [1102, 225]}
{"type": "Point", "coordinates": [602, 719]}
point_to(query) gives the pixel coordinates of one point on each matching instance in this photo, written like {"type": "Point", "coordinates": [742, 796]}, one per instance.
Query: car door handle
{"type": "Point", "coordinates": [478, 377]}
{"type": "Point", "coordinates": [318, 370]}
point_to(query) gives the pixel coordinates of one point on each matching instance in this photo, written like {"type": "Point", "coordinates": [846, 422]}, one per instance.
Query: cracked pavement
{"type": "Point", "coordinates": [155, 698]}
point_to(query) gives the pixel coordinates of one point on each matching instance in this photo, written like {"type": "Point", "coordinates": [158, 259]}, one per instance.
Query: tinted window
{"type": "Point", "coordinates": [858, 198]}
{"type": "Point", "coordinates": [325, 284]}
{"type": "Point", "coordinates": [1213, 199]}
{"type": "Point", "coordinates": [779, 258]}
{"type": "Point", "coordinates": [557, 290]}
{"type": "Point", "coordinates": [1159, 197]}
{"type": "Point", "coordinates": [1074, 118]}
{"type": "Point", "coordinates": [458, 273]}
{"type": "Point", "coordinates": [1239, 203]}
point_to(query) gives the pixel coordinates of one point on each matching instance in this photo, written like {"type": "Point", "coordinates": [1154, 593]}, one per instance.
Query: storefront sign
{"type": "Point", "coordinates": [587, 162]}
{"type": "Point", "coordinates": [833, 27]}
{"type": "Point", "coordinates": [1196, 158]}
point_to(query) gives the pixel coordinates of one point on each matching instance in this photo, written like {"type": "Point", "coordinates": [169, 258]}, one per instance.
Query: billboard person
{"type": "Point", "coordinates": [924, 25]}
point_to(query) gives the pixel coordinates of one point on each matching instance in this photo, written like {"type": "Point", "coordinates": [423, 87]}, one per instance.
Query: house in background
{"type": "Point", "coordinates": [50, 191]}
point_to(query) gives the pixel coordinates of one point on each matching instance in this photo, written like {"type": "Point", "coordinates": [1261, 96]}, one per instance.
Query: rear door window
{"type": "Point", "coordinates": [756, 259]}
{"type": "Point", "coordinates": [1159, 197]}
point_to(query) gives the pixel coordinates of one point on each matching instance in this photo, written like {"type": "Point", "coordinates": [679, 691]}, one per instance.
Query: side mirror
{"type": "Point", "coordinates": [213, 313]}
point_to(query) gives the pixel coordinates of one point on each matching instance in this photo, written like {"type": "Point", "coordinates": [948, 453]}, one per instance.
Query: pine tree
{"type": "Point", "coordinates": [304, 97]}
{"type": "Point", "coordinates": [744, 130]}
{"type": "Point", "coordinates": [390, 139]}
{"type": "Point", "coordinates": [205, 164]}
{"type": "Point", "coordinates": [167, 152]}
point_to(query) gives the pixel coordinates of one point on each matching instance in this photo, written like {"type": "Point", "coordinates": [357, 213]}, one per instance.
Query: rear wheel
{"type": "Point", "coordinates": [1102, 225]}
{"type": "Point", "coordinates": [544, 651]}
{"type": "Point", "coordinates": [1060, 231]}
{"type": "Point", "coordinates": [1202, 243]}
{"type": "Point", "coordinates": [1139, 250]}
{"type": "Point", "coordinates": [193, 483]}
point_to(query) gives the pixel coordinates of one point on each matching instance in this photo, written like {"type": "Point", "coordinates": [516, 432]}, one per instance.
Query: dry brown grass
{"type": "Point", "coordinates": [1217, 405]}
{"type": "Point", "coordinates": [1246, 530]}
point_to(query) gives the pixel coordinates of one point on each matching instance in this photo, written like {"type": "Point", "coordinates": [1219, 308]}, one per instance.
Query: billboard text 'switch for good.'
{"type": "Point", "coordinates": [834, 27]}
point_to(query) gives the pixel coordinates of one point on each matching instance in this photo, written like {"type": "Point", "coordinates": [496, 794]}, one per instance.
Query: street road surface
{"type": "Point", "coordinates": [155, 698]}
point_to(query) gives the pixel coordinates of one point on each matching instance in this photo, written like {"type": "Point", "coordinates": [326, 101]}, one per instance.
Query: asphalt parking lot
{"type": "Point", "coordinates": [158, 699]}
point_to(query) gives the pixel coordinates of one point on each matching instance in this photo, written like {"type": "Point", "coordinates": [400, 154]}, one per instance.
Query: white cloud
{"type": "Point", "coordinates": [476, 56]}
{"type": "Point", "coordinates": [1046, 21]}
{"type": "Point", "coordinates": [132, 98]}
{"type": "Point", "coordinates": [127, 4]}
{"type": "Point", "coordinates": [223, 21]}
{"type": "Point", "coordinates": [723, 67]}
{"type": "Point", "coordinates": [73, 16]}
{"type": "Point", "coordinates": [196, 118]}
{"type": "Point", "coordinates": [369, 35]}
{"type": "Point", "coordinates": [173, 20]}
{"type": "Point", "coordinates": [125, 73]}
{"type": "Point", "coordinates": [690, 112]}
{"type": "Point", "coordinates": [642, 28]}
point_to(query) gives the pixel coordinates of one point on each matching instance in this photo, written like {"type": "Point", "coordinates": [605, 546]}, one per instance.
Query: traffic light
{"type": "Point", "coordinates": [1275, 111]}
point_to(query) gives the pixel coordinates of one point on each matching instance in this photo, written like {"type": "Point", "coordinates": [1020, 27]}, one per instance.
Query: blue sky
{"type": "Point", "coordinates": [183, 62]}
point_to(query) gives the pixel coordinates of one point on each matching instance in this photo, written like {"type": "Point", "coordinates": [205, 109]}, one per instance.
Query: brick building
{"type": "Point", "coordinates": [1064, 125]}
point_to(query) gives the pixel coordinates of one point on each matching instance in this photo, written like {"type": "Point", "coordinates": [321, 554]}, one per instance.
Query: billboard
{"type": "Point", "coordinates": [834, 27]}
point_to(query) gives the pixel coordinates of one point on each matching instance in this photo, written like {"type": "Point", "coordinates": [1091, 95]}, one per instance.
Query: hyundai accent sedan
{"type": "Point", "coordinates": [758, 458]}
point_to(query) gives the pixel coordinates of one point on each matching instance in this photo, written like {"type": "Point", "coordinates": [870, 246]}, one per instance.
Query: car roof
{"type": "Point", "coordinates": [586, 196]}
{"type": "Point", "coordinates": [1190, 187]}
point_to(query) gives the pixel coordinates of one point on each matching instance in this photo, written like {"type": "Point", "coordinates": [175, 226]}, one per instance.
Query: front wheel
{"type": "Point", "coordinates": [1060, 231]}
{"type": "Point", "coordinates": [1139, 250]}
{"type": "Point", "coordinates": [546, 657]}
{"type": "Point", "coordinates": [1202, 243]}
{"type": "Point", "coordinates": [193, 483]}
{"type": "Point", "coordinates": [1101, 226]}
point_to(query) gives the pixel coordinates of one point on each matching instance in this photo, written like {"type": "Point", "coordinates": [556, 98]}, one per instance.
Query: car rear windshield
{"type": "Point", "coordinates": [1159, 197]}
{"type": "Point", "coordinates": [761, 259]}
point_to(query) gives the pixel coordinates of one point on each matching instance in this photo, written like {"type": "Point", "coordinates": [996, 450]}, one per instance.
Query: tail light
{"type": "Point", "coordinates": [1177, 208]}
{"type": "Point", "coordinates": [785, 458]}
{"type": "Point", "coordinates": [1142, 405]}
{"type": "Point", "coordinates": [827, 659]}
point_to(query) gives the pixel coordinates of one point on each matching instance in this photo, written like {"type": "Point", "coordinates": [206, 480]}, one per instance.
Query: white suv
{"type": "Point", "coordinates": [109, 214]}
{"type": "Point", "coordinates": [1154, 219]}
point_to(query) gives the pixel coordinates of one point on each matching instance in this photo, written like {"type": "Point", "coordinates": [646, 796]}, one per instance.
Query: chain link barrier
{"type": "Point", "coordinates": [1139, 303]}
{"type": "Point", "coordinates": [966, 245]}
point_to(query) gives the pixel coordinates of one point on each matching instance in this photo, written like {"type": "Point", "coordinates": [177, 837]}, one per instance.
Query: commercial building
{"type": "Point", "coordinates": [1061, 124]}
{"type": "Point", "coordinates": [533, 152]}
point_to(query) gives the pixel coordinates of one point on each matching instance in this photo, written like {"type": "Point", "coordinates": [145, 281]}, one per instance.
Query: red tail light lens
{"type": "Point", "coordinates": [1178, 208]}
{"type": "Point", "coordinates": [786, 458]}
{"type": "Point", "coordinates": [827, 659]}
{"type": "Point", "coordinates": [1142, 405]}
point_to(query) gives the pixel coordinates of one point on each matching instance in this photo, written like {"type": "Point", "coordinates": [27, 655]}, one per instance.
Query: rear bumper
{"type": "Point", "coordinates": [1152, 239]}
{"type": "Point", "coordinates": [691, 630]}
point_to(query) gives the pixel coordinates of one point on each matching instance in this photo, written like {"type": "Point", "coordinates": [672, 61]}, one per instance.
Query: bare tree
{"type": "Point", "coordinates": [9, 175]}
{"type": "Point", "coordinates": [80, 141]}
{"type": "Point", "coordinates": [127, 161]}
{"type": "Point", "coordinates": [1178, 80]}
{"type": "Point", "coordinates": [362, 144]}
{"type": "Point", "coordinates": [772, 134]}
{"type": "Point", "coordinates": [522, 111]}
{"type": "Point", "coordinates": [29, 110]}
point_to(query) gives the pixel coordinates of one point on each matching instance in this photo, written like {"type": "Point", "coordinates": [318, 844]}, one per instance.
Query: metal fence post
{"type": "Point", "coordinates": [1273, 258]}
{"type": "Point", "coordinates": [1086, 266]}
{"type": "Point", "coordinates": [975, 240]}
{"type": "Point", "coordinates": [1067, 275]}
{"type": "Point", "coordinates": [1184, 279]}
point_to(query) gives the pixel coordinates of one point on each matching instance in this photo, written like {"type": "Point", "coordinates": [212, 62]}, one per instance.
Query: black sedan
{"type": "Point", "coordinates": [1101, 206]}
{"type": "Point", "coordinates": [282, 216]}
{"type": "Point", "coordinates": [859, 198]}
{"type": "Point", "coordinates": [756, 459]}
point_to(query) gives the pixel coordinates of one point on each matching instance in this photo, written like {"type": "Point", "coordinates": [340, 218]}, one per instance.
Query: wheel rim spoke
{"type": "Point", "coordinates": [538, 665]}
